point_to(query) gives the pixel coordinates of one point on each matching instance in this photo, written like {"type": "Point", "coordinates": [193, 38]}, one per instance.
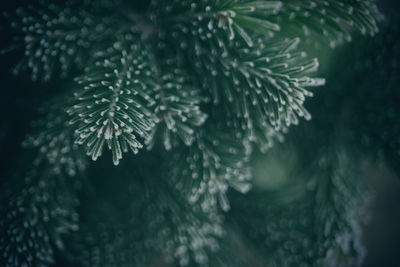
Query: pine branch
{"type": "Point", "coordinates": [113, 105]}
{"type": "Point", "coordinates": [194, 233]}
{"type": "Point", "coordinates": [332, 21]}
{"type": "Point", "coordinates": [39, 210]}
{"type": "Point", "coordinates": [262, 89]}
{"type": "Point", "coordinates": [177, 107]}
{"type": "Point", "coordinates": [149, 217]}
{"type": "Point", "coordinates": [233, 17]}
{"type": "Point", "coordinates": [339, 210]}
{"type": "Point", "coordinates": [264, 86]}
{"type": "Point", "coordinates": [205, 170]}
{"type": "Point", "coordinates": [275, 82]}
{"type": "Point", "coordinates": [56, 38]}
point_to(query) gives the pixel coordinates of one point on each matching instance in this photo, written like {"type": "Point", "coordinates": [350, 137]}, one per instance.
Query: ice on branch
{"type": "Point", "coordinates": [56, 38]}
{"type": "Point", "coordinates": [112, 105]}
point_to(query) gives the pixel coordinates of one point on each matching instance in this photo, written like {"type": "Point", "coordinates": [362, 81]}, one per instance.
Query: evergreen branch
{"type": "Point", "coordinates": [113, 106]}
{"type": "Point", "coordinates": [331, 20]}
{"type": "Point", "coordinates": [339, 210]}
{"type": "Point", "coordinates": [173, 239]}
{"type": "Point", "coordinates": [206, 169]}
{"type": "Point", "coordinates": [263, 89]}
{"type": "Point", "coordinates": [178, 109]}
{"type": "Point", "coordinates": [234, 17]}
{"type": "Point", "coordinates": [56, 38]}
{"type": "Point", "coordinates": [194, 233]}
{"type": "Point", "coordinates": [39, 211]}
{"type": "Point", "coordinates": [34, 219]}
{"type": "Point", "coordinates": [167, 225]}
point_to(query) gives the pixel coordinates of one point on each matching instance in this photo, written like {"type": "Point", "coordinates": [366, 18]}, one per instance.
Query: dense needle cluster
{"type": "Point", "coordinates": [212, 81]}
{"type": "Point", "coordinates": [113, 105]}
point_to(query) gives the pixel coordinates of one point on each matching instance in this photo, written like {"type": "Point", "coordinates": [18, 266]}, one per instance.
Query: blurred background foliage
{"type": "Point", "coordinates": [357, 114]}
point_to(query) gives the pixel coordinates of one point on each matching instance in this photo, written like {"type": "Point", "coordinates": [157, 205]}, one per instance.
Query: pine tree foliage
{"type": "Point", "coordinates": [276, 79]}
{"type": "Point", "coordinates": [113, 105]}
{"type": "Point", "coordinates": [206, 169]}
{"type": "Point", "coordinates": [209, 78]}
{"type": "Point", "coordinates": [55, 38]}
{"type": "Point", "coordinates": [340, 211]}
{"type": "Point", "coordinates": [178, 109]}
{"type": "Point", "coordinates": [275, 76]}
{"type": "Point", "coordinates": [331, 20]}
{"type": "Point", "coordinates": [153, 221]}
{"type": "Point", "coordinates": [232, 17]}
{"type": "Point", "coordinates": [275, 89]}
{"type": "Point", "coordinates": [40, 209]}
